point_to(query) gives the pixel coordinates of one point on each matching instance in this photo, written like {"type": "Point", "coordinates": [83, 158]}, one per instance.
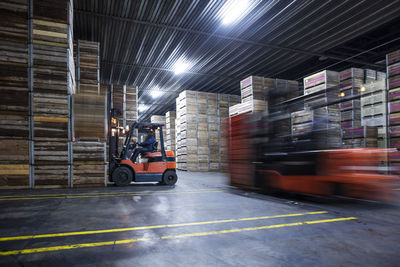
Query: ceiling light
{"type": "Point", "coordinates": [233, 10]}
{"type": "Point", "coordinates": [155, 92]}
{"type": "Point", "coordinates": [180, 66]}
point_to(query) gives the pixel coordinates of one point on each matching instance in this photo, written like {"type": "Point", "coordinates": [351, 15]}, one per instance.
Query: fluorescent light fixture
{"type": "Point", "coordinates": [180, 66]}
{"type": "Point", "coordinates": [233, 10]}
{"type": "Point", "coordinates": [142, 107]}
{"type": "Point", "coordinates": [155, 92]}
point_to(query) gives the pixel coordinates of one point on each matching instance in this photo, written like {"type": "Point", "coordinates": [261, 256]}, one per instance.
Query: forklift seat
{"type": "Point", "coordinates": [154, 149]}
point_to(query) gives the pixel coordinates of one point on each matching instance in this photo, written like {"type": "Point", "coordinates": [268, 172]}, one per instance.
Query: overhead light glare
{"type": "Point", "coordinates": [180, 67]}
{"type": "Point", "coordinates": [155, 92]}
{"type": "Point", "coordinates": [142, 108]}
{"type": "Point", "coordinates": [234, 10]}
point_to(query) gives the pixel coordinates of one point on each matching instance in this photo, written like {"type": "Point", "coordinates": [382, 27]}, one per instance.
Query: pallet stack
{"type": "Point", "coordinates": [357, 137]}
{"type": "Point", "coordinates": [373, 109]}
{"type": "Point", "coordinates": [370, 75]}
{"type": "Point", "coordinates": [89, 157]}
{"type": "Point", "coordinates": [170, 118]}
{"type": "Point", "coordinates": [324, 88]}
{"type": "Point", "coordinates": [160, 119]}
{"type": "Point", "coordinates": [393, 71]}
{"type": "Point", "coordinates": [52, 86]}
{"type": "Point", "coordinates": [14, 95]}
{"type": "Point", "coordinates": [258, 93]}
{"type": "Point", "coordinates": [351, 82]}
{"type": "Point", "coordinates": [130, 111]}
{"type": "Point", "coordinates": [200, 147]}
{"type": "Point", "coordinates": [124, 102]}
{"type": "Point", "coordinates": [225, 101]}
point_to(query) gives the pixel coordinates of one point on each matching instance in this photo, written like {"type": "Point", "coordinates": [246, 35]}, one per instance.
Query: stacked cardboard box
{"type": "Point", "coordinates": [160, 119]}
{"type": "Point", "coordinates": [14, 95]}
{"type": "Point", "coordinates": [89, 157]}
{"type": "Point", "coordinates": [351, 81]}
{"type": "Point", "coordinates": [393, 69]}
{"type": "Point", "coordinates": [170, 118]}
{"type": "Point", "coordinates": [200, 147]}
{"type": "Point", "coordinates": [373, 109]}
{"type": "Point", "coordinates": [52, 86]}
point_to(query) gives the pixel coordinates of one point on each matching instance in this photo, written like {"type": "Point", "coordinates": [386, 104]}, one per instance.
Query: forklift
{"type": "Point", "coordinates": [154, 166]}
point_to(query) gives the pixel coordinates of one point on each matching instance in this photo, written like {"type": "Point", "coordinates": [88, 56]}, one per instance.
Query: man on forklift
{"type": "Point", "coordinates": [146, 146]}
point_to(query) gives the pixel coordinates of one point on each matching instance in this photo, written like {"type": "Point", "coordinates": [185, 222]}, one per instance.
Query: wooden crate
{"type": "Point", "coordinates": [327, 78]}
{"type": "Point", "coordinates": [89, 164]}
{"type": "Point", "coordinates": [199, 147]}
{"type": "Point", "coordinates": [14, 95]}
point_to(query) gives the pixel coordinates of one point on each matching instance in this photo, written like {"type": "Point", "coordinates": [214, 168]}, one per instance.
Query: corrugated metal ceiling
{"type": "Point", "coordinates": [141, 41]}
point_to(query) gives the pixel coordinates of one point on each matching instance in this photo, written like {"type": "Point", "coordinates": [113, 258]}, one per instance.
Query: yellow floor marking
{"type": "Point", "coordinates": [114, 195]}
{"type": "Point", "coordinates": [85, 245]}
{"type": "Point", "coordinates": [397, 189]}
{"type": "Point", "coordinates": [130, 241]}
{"type": "Point", "coordinates": [155, 226]}
{"type": "Point", "coordinates": [331, 220]}
{"type": "Point", "coordinates": [99, 193]}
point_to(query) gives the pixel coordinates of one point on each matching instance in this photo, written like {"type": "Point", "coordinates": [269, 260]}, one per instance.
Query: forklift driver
{"type": "Point", "coordinates": [146, 146]}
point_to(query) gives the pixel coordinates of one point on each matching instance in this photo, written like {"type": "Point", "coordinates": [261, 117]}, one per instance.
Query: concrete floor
{"type": "Point", "coordinates": [200, 222]}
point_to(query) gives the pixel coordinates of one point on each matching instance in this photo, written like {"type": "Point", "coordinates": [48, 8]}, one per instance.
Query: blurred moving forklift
{"type": "Point", "coordinates": [151, 166]}
{"type": "Point", "coordinates": [261, 157]}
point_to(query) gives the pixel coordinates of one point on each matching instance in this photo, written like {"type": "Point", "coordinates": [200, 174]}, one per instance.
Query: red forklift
{"type": "Point", "coordinates": [154, 166]}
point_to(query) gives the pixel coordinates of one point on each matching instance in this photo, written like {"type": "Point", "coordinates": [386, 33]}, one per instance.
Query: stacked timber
{"type": "Point", "coordinates": [393, 68]}
{"type": "Point", "coordinates": [160, 119]}
{"type": "Point", "coordinates": [357, 137]}
{"type": "Point", "coordinates": [89, 158]}
{"type": "Point", "coordinates": [200, 147]}
{"type": "Point", "coordinates": [14, 95]}
{"type": "Point", "coordinates": [373, 109]}
{"type": "Point", "coordinates": [52, 86]}
{"type": "Point", "coordinates": [170, 118]}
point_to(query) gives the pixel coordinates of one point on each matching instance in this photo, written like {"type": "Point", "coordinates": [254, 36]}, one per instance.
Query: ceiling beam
{"type": "Point", "coordinates": [225, 37]}
{"type": "Point", "coordinates": [165, 69]}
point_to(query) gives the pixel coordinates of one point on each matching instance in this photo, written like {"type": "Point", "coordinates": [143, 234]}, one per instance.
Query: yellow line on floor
{"type": "Point", "coordinates": [130, 241]}
{"type": "Point", "coordinates": [115, 195]}
{"type": "Point", "coordinates": [155, 226]}
{"type": "Point", "coordinates": [95, 193]}
{"type": "Point", "coordinates": [397, 189]}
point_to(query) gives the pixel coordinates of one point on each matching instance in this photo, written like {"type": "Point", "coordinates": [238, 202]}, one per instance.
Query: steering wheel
{"type": "Point", "coordinates": [133, 145]}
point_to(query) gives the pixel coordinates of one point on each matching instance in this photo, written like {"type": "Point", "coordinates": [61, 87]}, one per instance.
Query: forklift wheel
{"type": "Point", "coordinates": [170, 178]}
{"type": "Point", "coordinates": [122, 176]}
